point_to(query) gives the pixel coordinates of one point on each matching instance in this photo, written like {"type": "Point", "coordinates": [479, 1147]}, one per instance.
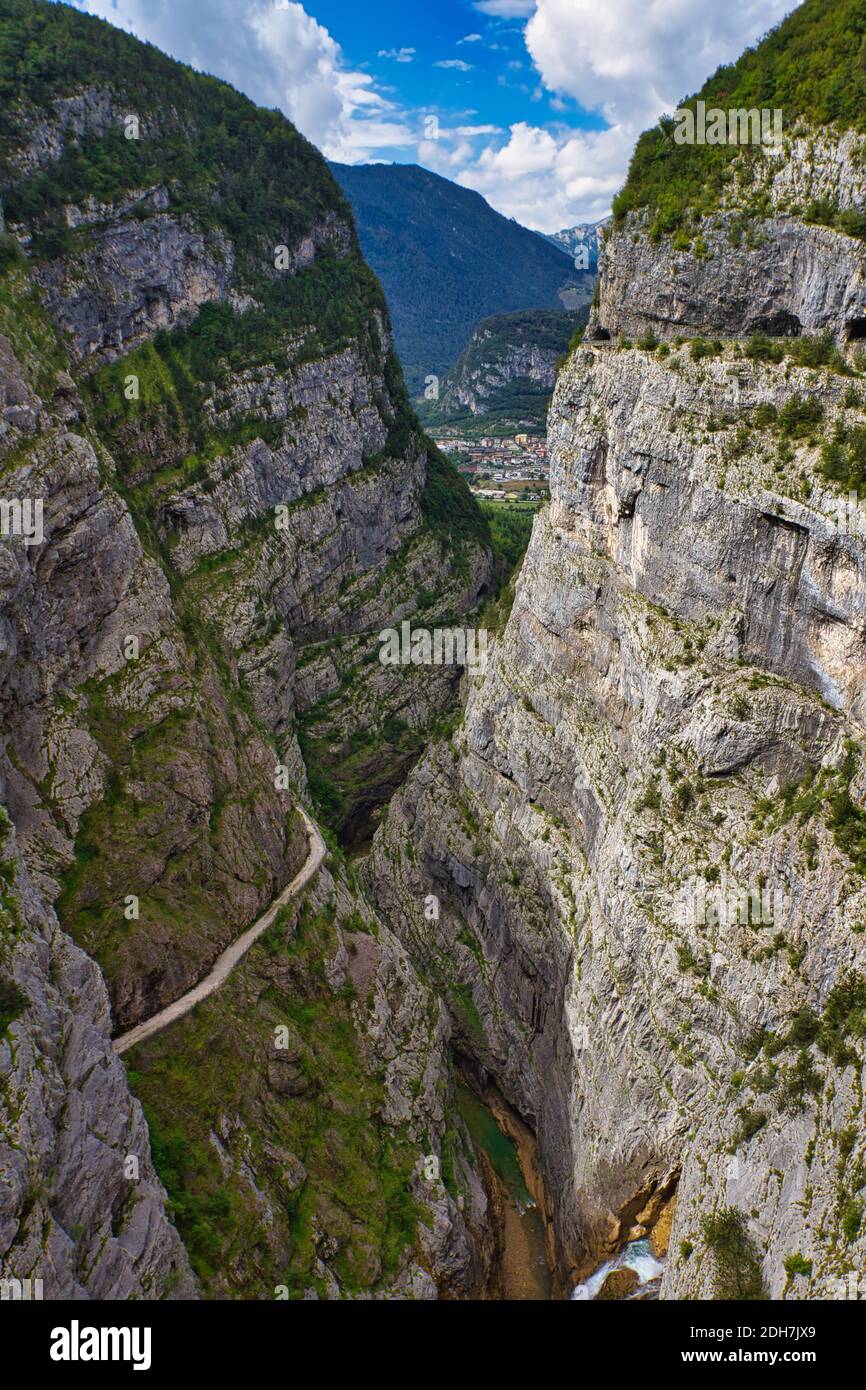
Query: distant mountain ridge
{"type": "Point", "coordinates": [507, 371]}
{"type": "Point", "coordinates": [446, 259]}
{"type": "Point", "coordinates": [586, 234]}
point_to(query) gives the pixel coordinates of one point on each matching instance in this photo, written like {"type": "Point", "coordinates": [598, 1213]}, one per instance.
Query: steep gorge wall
{"type": "Point", "coordinates": [760, 262]}
{"type": "Point", "coordinates": [81, 1208]}
{"type": "Point", "coordinates": [237, 498]}
{"type": "Point", "coordinates": [673, 712]}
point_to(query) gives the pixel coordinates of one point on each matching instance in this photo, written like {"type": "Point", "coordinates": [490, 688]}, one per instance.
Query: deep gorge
{"type": "Point", "coordinates": [494, 1038]}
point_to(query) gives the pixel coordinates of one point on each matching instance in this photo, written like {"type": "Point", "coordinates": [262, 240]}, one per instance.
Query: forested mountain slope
{"type": "Point", "coordinates": [446, 259]}
{"type": "Point", "coordinates": [508, 368]}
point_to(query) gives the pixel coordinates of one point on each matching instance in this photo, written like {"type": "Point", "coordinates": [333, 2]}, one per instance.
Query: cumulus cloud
{"type": "Point", "coordinates": [625, 59]}
{"type": "Point", "coordinates": [456, 63]}
{"type": "Point", "coordinates": [634, 59]}
{"type": "Point", "coordinates": [278, 55]}
{"type": "Point", "coordinates": [548, 180]}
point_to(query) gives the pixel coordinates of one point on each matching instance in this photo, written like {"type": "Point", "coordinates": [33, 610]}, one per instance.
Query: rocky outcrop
{"type": "Point", "coordinates": [529, 364]}
{"type": "Point", "coordinates": [757, 265]}
{"type": "Point", "coordinates": [81, 1208]}
{"type": "Point", "coordinates": [88, 112]}
{"type": "Point", "coordinates": [794, 279]}
{"type": "Point", "coordinates": [134, 279]}
{"type": "Point", "coordinates": [472, 388]}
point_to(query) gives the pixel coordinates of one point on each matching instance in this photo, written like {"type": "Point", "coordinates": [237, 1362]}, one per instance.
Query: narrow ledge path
{"type": "Point", "coordinates": [233, 954]}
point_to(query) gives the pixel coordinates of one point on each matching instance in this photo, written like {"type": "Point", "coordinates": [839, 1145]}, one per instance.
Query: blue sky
{"type": "Point", "coordinates": [536, 104]}
{"type": "Point", "coordinates": [450, 58]}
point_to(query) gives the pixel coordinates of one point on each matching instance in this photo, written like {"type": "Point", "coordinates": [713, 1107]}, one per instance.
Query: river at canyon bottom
{"type": "Point", "coordinates": [524, 1271]}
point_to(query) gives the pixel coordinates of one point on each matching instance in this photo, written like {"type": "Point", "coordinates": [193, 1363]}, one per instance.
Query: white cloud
{"type": "Point", "coordinates": [469, 38]}
{"type": "Point", "coordinates": [456, 63]}
{"type": "Point", "coordinates": [278, 55]}
{"type": "Point", "coordinates": [548, 181]}
{"type": "Point", "coordinates": [634, 59]}
{"type": "Point", "coordinates": [400, 55]}
{"type": "Point", "coordinates": [626, 59]}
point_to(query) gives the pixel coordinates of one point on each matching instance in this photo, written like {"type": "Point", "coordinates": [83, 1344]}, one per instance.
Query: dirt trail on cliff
{"type": "Point", "coordinates": [232, 955]}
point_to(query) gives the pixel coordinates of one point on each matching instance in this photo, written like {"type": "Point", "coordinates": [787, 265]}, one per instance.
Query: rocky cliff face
{"type": "Point", "coordinates": [201, 402]}
{"type": "Point", "coordinates": [472, 388]}
{"type": "Point", "coordinates": [760, 263]}
{"type": "Point", "coordinates": [97, 672]}
{"type": "Point", "coordinates": [81, 1208]}
{"type": "Point", "coordinates": [647, 837]}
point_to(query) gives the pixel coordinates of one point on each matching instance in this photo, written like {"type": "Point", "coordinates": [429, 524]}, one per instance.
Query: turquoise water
{"type": "Point", "coordinates": [526, 1271]}
{"type": "Point", "coordinates": [501, 1150]}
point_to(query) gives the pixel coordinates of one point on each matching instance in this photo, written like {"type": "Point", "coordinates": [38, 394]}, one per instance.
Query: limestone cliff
{"type": "Point", "coordinates": [760, 262]}
{"type": "Point", "coordinates": [81, 1208]}
{"type": "Point", "coordinates": [648, 835]}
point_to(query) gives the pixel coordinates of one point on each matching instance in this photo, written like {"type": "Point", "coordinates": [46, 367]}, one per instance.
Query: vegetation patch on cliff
{"type": "Point", "coordinates": [810, 66]}
{"type": "Point", "coordinates": [233, 1116]}
{"type": "Point", "coordinates": [737, 1268]}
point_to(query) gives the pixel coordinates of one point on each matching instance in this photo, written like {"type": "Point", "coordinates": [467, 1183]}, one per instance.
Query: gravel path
{"type": "Point", "coordinates": [225, 963]}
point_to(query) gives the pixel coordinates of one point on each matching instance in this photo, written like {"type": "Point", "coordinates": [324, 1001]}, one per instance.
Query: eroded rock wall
{"type": "Point", "coordinates": [672, 719]}
{"type": "Point", "coordinates": [202, 398]}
